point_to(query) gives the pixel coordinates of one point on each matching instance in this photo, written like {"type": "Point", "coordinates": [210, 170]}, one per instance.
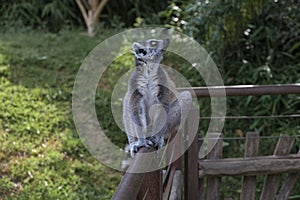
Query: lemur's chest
{"type": "Point", "coordinates": [148, 80]}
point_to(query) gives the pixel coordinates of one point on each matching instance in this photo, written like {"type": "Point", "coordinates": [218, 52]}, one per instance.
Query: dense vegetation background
{"type": "Point", "coordinates": [42, 44]}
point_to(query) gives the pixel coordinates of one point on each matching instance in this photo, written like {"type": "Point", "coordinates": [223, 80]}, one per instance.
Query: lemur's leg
{"type": "Point", "coordinates": [177, 112]}
{"type": "Point", "coordinates": [135, 142]}
{"type": "Point", "coordinates": [138, 123]}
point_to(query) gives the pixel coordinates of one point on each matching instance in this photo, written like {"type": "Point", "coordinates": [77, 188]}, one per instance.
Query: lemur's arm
{"type": "Point", "coordinates": [177, 113]}
{"type": "Point", "coordinates": [179, 110]}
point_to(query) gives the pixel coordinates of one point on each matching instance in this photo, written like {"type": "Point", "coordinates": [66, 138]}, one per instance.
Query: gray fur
{"type": "Point", "coordinates": [150, 107]}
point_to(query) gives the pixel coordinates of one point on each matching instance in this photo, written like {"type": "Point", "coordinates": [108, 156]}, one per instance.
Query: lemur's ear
{"type": "Point", "coordinates": [137, 46]}
{"type": "Point", "coordinates": [139, 50]}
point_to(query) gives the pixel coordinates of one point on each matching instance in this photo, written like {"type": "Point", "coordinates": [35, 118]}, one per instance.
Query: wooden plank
{"type": "Point", "coordinates": [173, 166]}
{"type": "Point", "coordinates": [168, 186]}
{"type": "Point", "coordinates": [171, 150]}
{"type": "Point", "coordinates": [131, 182]}
{"type": "Point", "coordinates": [271, 184]}
{"type": "Point", "coordinates": [191, 161]}
{"type": "Point", "coordinates": [214, 183]}
{"type": "Point", "coordinates": [151, 187]}
{"type": "Point", "coordinates": [288, 185]}
{"type": "Point", "coordinates": [249, 182]}
{"type": "Point", "coordinates": [250, 166]}
{"type": "Point", "coordinates": [201, 180]}
{"type": "Point", "coordinates": [176, 186]}
{"type": "Point", "coordinates": [177, 164]}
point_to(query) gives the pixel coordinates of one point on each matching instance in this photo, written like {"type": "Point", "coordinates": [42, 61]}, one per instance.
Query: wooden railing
{"type": "Point", "coordinates": [244, 90]}
{"type": "Point", "coordinates": [202, 178]}
{"type": "Point", "coordinates": [137, 185]}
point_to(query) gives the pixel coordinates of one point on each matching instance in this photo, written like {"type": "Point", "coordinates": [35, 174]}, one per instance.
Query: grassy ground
{"type": "Point", "coordinates": [41, 156]}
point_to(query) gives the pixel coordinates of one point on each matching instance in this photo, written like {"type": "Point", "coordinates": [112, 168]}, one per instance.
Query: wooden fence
{"type": "Point", "coordinates": [250, 166]}
{"type": "Point", "coordinates": [192, 178]}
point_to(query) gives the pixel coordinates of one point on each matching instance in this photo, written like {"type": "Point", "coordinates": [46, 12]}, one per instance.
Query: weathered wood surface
{"type": "Point", "coordinates": [271, 184]}
{"type": "Point", "coordinates": [191, 160]}
{"type": "Point", "coordinates": [176, 190]}
{"type": "Point", "coordinates": [173, 166]}
{"type": "Point", "coordinates": [244, 90]}
{"type": "Point", "coordinates": [288, 186]}
{"type": "Point", "coordinates": [151, 187]}
{"type": "Point", "coordinates": [169, 181]}
{"type": "Point", "coordinates": [201, 180]}
{"type": "Point", "coordinates": [250, 166]}
{"type": "Point", "coordinates": [249, 182]}
{"type": "Point", "coordinates": [131, 183]}
{"type": "Point", "coordinates": [214, 183]}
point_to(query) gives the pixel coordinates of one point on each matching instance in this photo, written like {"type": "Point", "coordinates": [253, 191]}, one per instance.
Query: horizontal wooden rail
{"type": "Point", "coordinates": [244, 90]}
{"type": "Point", "coordinates": [250, 165]}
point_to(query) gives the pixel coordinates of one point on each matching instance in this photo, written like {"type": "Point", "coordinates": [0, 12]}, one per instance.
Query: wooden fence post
{"type": "Point", "coordinates": [201, 180]}
{"type": "Point", "coordinates": [191, 160]}
{"type": "Point", "coordinates": [214, 183]}
{"type": "Point", "coordinates": [288, 185]}
{"type": "Point", "coordinates": [249, 182]}
{"type": "Point", "coordinates": [271, 184]}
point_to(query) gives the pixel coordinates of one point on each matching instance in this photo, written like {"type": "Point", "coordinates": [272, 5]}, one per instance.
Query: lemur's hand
{"type": "Point", "coordinates": [135, 146]}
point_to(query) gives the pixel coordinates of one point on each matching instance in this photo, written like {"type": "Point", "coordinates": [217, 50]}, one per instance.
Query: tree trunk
{"type": "Point", "coordinates": [91, 24]}
{"type": "Point", "coordinates": [91, 10]}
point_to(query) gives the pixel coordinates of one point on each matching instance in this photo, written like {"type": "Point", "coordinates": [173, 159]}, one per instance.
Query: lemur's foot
{"type": "Point", "coordinates": [135, 146]}
{"type": "Point", "coordinates": [158, 141]}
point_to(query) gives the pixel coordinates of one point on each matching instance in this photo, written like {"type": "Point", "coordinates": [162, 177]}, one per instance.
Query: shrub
{"type": "Point", "coordinates": [51, 15]}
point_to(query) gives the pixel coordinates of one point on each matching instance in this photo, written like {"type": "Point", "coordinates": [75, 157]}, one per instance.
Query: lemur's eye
{"type": "Point", "coordinates": [153, 43]}
{"type": "Point", "coordinates": [142, 51]}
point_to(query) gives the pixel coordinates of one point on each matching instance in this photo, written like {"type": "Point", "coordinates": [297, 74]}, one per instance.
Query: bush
{"type": "Point", "coordinates": [131, 11]}
{"type": "Point", "coordinates": [55, 15]}
{"type": "Point", "coordinates": [51, 15]}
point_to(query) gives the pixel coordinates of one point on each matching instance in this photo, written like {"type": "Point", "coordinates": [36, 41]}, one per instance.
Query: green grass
{"type": "Point", "coordinates": [41, 155]}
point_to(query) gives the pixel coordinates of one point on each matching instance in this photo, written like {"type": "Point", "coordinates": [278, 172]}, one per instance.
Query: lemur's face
{"type": "Point", "coordinates": [150, 51]}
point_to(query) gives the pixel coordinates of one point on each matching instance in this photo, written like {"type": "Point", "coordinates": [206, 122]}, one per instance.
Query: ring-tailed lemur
{"type": "Point", "coordinates": [151, 107]}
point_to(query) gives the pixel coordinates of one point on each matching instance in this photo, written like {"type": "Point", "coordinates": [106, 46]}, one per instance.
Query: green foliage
{"type": "Point", "coordinates": [55, 15]}
{"type": "Point", "coordinates": [131, 11]}
{"type": "Point", "coordinates": [261, 47]}
{"type": "Point", "coordinates": [52, 15]}
{"type": "Point", "coordinates": [41, 154]}
{"type": "Point", "coordinates": [254, 43]}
